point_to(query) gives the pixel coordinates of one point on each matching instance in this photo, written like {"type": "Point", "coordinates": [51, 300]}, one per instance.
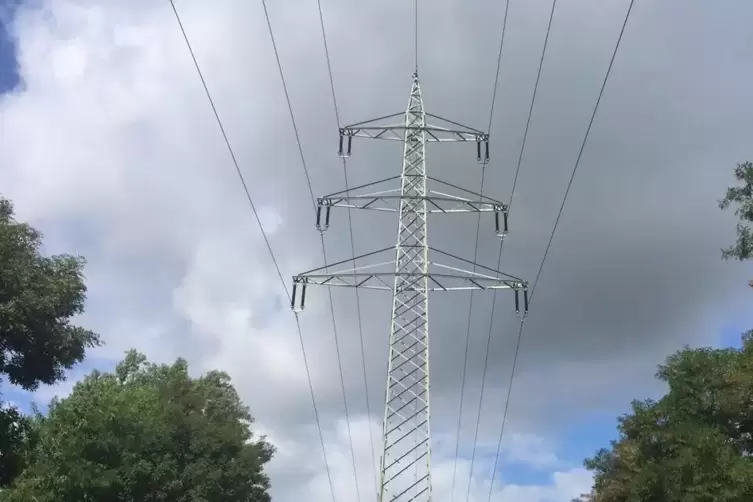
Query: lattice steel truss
{"type": "Point", "coordinates": [405, 466]}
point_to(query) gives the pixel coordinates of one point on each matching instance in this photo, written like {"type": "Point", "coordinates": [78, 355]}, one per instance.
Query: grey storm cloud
{"type": "Point", "coordinates": [635, 264]}
{"type": "Point", "coordinates": [634, 270]}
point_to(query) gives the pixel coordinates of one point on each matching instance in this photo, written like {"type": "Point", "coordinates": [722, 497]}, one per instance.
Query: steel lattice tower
{"type": "Point", "coordinates": [405, 465]}
{"type": "Point", "coordinates": [406, 411]}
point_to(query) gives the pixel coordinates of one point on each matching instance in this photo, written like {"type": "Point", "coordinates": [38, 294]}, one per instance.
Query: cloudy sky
{"type": "Point", "coordinates": [108, 145]}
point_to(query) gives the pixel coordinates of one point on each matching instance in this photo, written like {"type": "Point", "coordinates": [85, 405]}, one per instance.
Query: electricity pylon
{"type": "Point", "coordinates": [405, 465]}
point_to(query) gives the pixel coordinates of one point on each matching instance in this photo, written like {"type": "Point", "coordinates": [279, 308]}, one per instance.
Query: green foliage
{"type": "Point", "coordinates": [742, 198]}
{"type": "Point", "coordinates": [696, 443]}
{"type": "Point", "coordinates": [693, 445]}
{"type": "Point", "coordinates": [16, 434]}
{"type": "Point", "coordinates": [146, 433]}
{"type": "Point", "coordinates": [38, 297]}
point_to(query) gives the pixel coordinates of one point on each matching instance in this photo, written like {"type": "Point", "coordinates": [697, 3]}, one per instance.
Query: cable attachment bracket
{"type": "Point", "coordinates": [501, 230]}
{"type": "Point", "coordinates": [343, 133]}
{"type": "Point", "coordinates": [326, 204]}
{"type": "Point", "coordinates": [298, 306]}
{"type": "Point", "coordinates": [524, 287]}
{"type": "Point", "coordinates": [482, 138]}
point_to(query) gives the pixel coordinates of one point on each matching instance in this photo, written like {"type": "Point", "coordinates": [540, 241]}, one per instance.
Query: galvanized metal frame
{"type": "Point", "coordinates": [405, 464]}
{"type": "Point", "coordinates": [445, 202]}
{"type": "Point", "coordinates": [374, 129]}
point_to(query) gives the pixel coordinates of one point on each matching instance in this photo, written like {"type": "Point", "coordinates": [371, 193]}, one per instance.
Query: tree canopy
{"type": "Point", "coordinates": [692, 445]}
{"type": "Point", "coordinates": [38, 298]}
{"type": "Point", "coordinates": [144, 433]}
{"type": "Point", "coordinates": [696, 443]}
{"type": "Point", "coordinates": [742, 198]}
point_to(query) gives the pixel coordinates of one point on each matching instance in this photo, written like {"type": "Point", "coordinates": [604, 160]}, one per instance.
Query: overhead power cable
{"type": "Point", "coordinates": [352, 246]}
{"type": "Point", "coordinates": [229, 147]}
{"type": "Point", "coordinates": [324, 249]}
{"type": "Point", "coordinates": [263, 232]}
{"type": "Point", "coordinates": [551, 237]}
{"type": "Point", "coordinates": [501, 244]}
{"type": "Point", "coordinates": [475, 257]}
{"type": "Point", "coordinates": [415, 31]}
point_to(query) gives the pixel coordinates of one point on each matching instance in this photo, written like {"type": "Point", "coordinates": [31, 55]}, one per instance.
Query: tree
{"type": "Point", "coordinates": [742, 197]}
{"type": "Point", "coordinates": [145, 433]}
{"type": "Point", "coordinates": [15, 436]}
{"type": "Point", "coordinates": [693, 445]}
{"type": "Point", "coordinates": [38, 297]}
{"type": "Point", "coordinates": [696, 443]}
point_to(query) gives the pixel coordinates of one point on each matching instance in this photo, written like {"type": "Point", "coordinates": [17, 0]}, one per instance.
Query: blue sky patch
{"type": "Point", "coordinates": [9, 77]}
{"type": "Point", "coordinates": [522, 474]}
{"type": "Point", "coordinates": [731, 336]}
{"type": "Point", "coordinates": [588, 435]}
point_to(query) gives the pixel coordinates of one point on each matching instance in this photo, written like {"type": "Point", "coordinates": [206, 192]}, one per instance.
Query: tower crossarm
{"type": "Point", "coordinates": [444, 198]}
{"type": "Point", "coordinates": [443, 131]}
{"type": "Point", "coordinates": [439, 275]}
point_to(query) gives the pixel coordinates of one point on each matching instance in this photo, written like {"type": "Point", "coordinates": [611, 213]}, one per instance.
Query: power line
{"type": "Point", "coordinates": [261, 228]}
{"type": "Point", "coordinates": [467, 345]}
{"type": "Point", "coordinates": [499, 64]}
{"type": "Point", "coordinates": [290, 106]}
{"type": "Point", "coordinates": [582, 146]}
{"type": "Point", "coordinates": [533, 102]}
{"type": "Point", "coordinates": [554, 230]}
{"type": "Point", "coordinates": [501, 245]}
{"type": "Point", "coordinates": [415, 31]}
{"type": "Point", "coordinates": [324, 249]}
{"type": "Point", "coordinates": [229, 147]}
{"type": "Point", "coordinates": [352, 246]}
{"type": "Point", "coordinates": [475, 256]}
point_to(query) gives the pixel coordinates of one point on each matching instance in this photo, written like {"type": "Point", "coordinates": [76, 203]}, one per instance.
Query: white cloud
{"type": "Point", "coordinates": [565, 486]}
{"type": "Point", "coordinates": [304, 463]}
{"type": "Point", "coordinates": [531, 450]}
